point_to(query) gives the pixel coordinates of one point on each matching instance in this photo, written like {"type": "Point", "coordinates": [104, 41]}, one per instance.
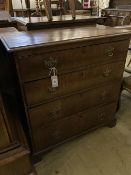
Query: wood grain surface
{"type": "Point", "coordinates": [22, 40]}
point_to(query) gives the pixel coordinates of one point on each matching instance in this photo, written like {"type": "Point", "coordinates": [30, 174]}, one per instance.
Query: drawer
{"type": "Point", "coordinates": [60, 130]}
{"type": "Point", "coordinates": [37, 66]}
{"type": "Point", "coordinates": [44, 114]}
{"type": "Point", "coordinates": [38, 91]}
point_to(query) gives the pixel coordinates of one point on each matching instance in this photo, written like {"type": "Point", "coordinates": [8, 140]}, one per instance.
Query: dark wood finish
{"type": "Point", "coordinates": [90, 63]}
{"type": "Point", "coordinates": [12, 155]}
{"type": "Point", "coordinates": [4, 24]}
{"type": "Point", "coordinates": [16, 161]}
{"type": "Point", "coordinates": [45, 113]}
{"type": "Point", "coordinates": [57, 21]}
{"type": "Point", "coordinates": [67, 38]}
{"type": "Point", "coordinates": [5, 133]}
{"type": "Point", "coordinates": [76, 81]}
{"type": "Point", "coordinates": [8, 139]}
{"type": "Point", "coordinates": [60, 130]}
{"type": "Point", "coordinates": [32, 69]}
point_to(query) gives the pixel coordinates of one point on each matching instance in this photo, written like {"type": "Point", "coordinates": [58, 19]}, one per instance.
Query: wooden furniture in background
{"type": "Point", "coordinates": [6, 5]}
{"type": "Point", "coordinates": [117, 17]}
{"type": "Point", "coordinates": [3, 4]}
{"type": "Point", "coordinates": [85, 60]}
{"type": "Point", "coordinates": [14, 150]}
{"type": "Point", "coordinates": [16, 161]}
{"type": "Point", "coordinates": [118, 13]}
{"type": "Point", "coordinates": [6, 137]}
{"type": "Point", "coordinates": [42, 23]}
{"type": "Point", "coordinates": [14, 157]}
{"type": "Point", "coordinates": [48, 9]}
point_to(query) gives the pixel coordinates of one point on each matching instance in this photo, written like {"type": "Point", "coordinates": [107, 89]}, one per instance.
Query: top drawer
{"type": "Point", "coordinates": [36, 66]}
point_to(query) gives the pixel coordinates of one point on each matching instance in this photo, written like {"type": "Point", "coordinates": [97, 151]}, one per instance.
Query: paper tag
{"type": "Point", "coordinates": [54, 81]}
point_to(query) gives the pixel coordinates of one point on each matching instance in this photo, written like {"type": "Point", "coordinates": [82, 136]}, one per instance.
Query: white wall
{"type": "Point", "coordinates": [103, 3]}
{"type": "Point", "coordinates": [17, 4]}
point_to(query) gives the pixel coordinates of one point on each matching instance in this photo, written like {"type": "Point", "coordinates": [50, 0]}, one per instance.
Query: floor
{"type": "Point", "coordinates": [106, 151]}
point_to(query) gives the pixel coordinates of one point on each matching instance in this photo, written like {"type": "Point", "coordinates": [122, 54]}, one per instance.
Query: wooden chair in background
{"type": "Point", "coordinates": [47, 6]}
{"type": "Point", "coordinates": [6, 5]}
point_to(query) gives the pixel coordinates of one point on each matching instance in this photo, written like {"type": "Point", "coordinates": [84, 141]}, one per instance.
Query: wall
{"type": "Point", "coordinates": [17, 4]}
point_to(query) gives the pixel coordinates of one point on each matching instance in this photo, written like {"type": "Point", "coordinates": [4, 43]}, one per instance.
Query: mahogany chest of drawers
{"type": "Point", "coordinates": [89, 63]}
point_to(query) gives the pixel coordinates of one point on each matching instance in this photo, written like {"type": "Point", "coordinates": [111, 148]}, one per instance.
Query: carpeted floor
{"type": "Point", "coordinates": [106, 151]}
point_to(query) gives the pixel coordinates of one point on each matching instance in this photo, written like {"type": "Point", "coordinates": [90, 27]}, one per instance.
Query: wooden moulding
{"type": "Point", "coordinates": [16, 161]}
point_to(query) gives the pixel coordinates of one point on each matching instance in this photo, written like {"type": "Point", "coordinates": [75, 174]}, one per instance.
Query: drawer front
{"type": "Point", "coordinates": [36, 66]}
{"type": "Point", "coordinates": [44, 114]}
{"type": "Point", "coordinates": [61, 130]}
{"type": "Point", "coordinates": [38, 91]}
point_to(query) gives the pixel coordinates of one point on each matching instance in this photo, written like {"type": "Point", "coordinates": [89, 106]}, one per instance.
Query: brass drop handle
{"type": "Point", "coordinates": [101, 116]}
{"type": "Point", "coordinates": [110, 52]}
{"type": "Point", "coordinates": [107, 71]}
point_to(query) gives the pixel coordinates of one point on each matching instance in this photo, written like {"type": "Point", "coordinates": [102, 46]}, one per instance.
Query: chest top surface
{"type": "Point", "coordinates": [47, 37]}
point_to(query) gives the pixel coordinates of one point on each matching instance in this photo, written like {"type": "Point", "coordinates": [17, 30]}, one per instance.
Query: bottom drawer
{"type": "Point", "coordinates": [65, 128]}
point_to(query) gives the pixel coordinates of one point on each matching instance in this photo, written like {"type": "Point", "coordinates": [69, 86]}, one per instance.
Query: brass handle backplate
{"type": "Point", "coordinates": [50, 63]}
